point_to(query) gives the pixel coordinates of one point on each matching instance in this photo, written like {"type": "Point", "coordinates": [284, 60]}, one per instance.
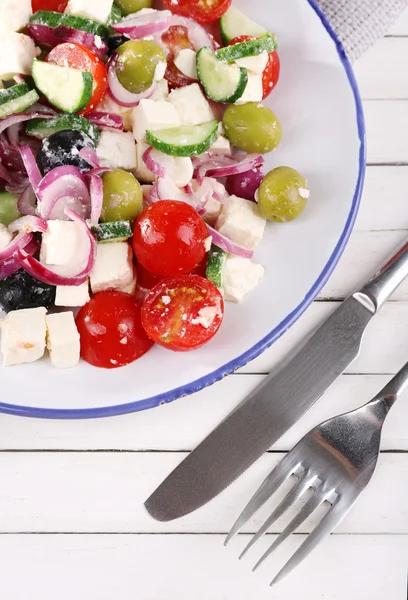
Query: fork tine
{"type": "Point", "coordinates": [268, 487]}
{"type": "Point", "coordinates": [328, 523]}
{"type": "Point", "coordinates": [314, 502]}
{"type": "Point", "coordinates": [299, 488]}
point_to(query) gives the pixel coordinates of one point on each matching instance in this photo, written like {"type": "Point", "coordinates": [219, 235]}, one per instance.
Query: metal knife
{"type": "Point", "coordinates": [278, 402]}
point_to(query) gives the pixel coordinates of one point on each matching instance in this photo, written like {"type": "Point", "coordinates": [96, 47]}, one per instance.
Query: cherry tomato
{"type": "Point", "coordinates": [202, 11]}
{"type": "Point", "coordinates": [176, 39]}
{"type": "Point", "coordinates": [270, 75]}
{"type": "Point", "coordinates": [111, 330]}
{"type": "Point", "coordinates": [79, 57]}
{"type": "Point", "coordinates": [183, 313]}
{"type": "Point", "coordinates": [147, 280]}
{"type": "Point", "coordinates": [54, 5]}
{"type": "Point", "coordinates": [168, 238]}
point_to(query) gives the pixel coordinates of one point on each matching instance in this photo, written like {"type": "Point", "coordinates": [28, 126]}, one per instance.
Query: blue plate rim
{"type": "Point", "coordinates": [271, 337]}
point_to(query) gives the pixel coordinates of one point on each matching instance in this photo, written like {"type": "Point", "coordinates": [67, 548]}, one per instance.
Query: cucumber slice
{"type": "Point", "coordinates": [115, 16]}
{"type": "Point", "coordinates": [67, 89]}
{"type": "Point", "coordinates": [245, 49]}
{"type": "Point", "coordinates": [188, 140]}
{"type": "Point", "coordinates": [221, 81]}
{"type": "Point", "coordinates": [54, 19]}
{"type": "Point", "coordinates": [8, 208]}
{"type": "Point", "coordinates": [114, 231]}
{"type": "Point", "coordinates": [42, 128]}
{"type": "Point", "coordinates": [216, 266]}
{"type": "Point", "coordinates": [16, 99]}
{"type": "Point", "coordinates": [234, 23]}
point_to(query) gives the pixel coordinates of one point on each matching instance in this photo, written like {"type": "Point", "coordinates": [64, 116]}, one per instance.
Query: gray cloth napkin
{"type": "Point", "coordinates": [359, 23]}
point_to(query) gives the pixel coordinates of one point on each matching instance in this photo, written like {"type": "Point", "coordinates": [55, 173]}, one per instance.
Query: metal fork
{"type": "Point", "coordinates": [335, 461]}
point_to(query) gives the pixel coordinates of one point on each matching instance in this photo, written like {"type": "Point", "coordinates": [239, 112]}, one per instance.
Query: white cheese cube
{"type": "Point", "coordinates": [60, 243]}
{"type": "Point", "coordinates": [97, 10]}
{"type": "Point", "coordinates": [192, 106]}
{"type": "Point", "coordinates": [130, 288]}
{"type": "Point", "coordinates": [142, 172]}
{"type": "Point", "coordinates": [253, 91]}
{"type": "Point", "coordinates": [72, 295]}
{"type": "Point", "coordinates": [182, 172]}
{"type": "Point", "coordinates": [113, 268]}
{"type": "Point", "coordinates": [153, 115]}
{"type": "Point", "coordinates": [186, 62]}
{"type": "Point", "coordinates": [161, 92]}
{"type": "Point", "coordinates": [63, 340]}
{"type": "Point", "coordinates": [17, 52]}
{"type": "Point", "coordinates": [254, 64]}
{"type": "Point", "coordinates": [241, 222]}
{"type": "Point", "coordinates": [23, 336]}
{"type": "Point", "coordinates": [221, 146]}
{"type": "Point", "coordinates": [117, 150]}
{"type": "Point", "coordinates": [160, 71]}
{"type": "Point", "coordinates": [5, 237]}
{"type": "Point", "coordinates": [212, 211]}
{"type": "Point", "coordinates": [14, 15]}
{"type": "Point", "coordinates": [109, 105]}
{"type": "Point", "coordinates": [241, 276]}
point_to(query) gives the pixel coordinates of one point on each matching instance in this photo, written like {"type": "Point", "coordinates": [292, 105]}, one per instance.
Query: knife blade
{"type": "Point", "coordinates": [278, 402]}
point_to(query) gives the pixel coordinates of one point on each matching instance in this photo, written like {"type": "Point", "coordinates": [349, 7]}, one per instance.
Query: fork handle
{"type": "Point", "coordinates": [393, 389]}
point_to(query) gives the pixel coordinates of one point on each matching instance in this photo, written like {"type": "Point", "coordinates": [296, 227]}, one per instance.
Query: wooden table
{"type": "Point", "coordinates": [72, 521]}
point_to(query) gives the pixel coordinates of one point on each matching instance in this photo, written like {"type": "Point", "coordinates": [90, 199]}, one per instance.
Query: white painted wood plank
{"type": "Point", "coordinates": [387, 123]}
{"type": "Point", "coordinates": [400, 27]}
{"type": "Point", "coordinates": [181, 425]}
{"type": "Point", "coordinates": [104, 492]}
{"type": "Point", "coordinates": [381, 72]}
{"type": "Point", "coordinates": [197, 567]}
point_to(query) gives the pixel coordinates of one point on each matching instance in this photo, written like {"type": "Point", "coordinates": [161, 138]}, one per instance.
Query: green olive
{"type": "Point", "coordinates": [8, 208]}
{"type": "Point", "coordinates": [282, 195]}
{"type": "Point", "coordinates": [131, 6]}
{"type": "Point", "coordinates": [252, 127]}
{"type": "Point", "coordinates": [137, 63]}
{"type": "Point", "coordinates": [122, 197]}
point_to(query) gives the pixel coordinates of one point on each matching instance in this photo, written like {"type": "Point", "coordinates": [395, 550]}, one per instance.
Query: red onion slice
{"type": "Point", "coordinates": [225, 244]}
{"type": "Point", "coordinates": [158, 163]}
{"type": "Point", "coordinates": [27, 202]}
{"type": "Point", "coordinates": [216, 168]}
{"type": "Point", "coordinates": [96, 191]}
{"type": "Point", "coordinates": [197, 35]}
{"type": "Point", "coordinates": [28, 224]}
{"type": "Point", "coordinates": [18, 242]}
{"type": "Point", "coordinates": [139, 26]}
{"type": "Point", "coordinates": [121, 95]}
{"type": "Point", "coordinates": [30, 164]}
{"type": "Point", "coordinates": [91, 239]}
{"type": "Point", "coordinates": [60, 188]}
{"type": "Point", "coordinates": [4, 174]}
{"type": "Point", "coordinates": [13, 134]}
{"type": "Point", "coordinates": [153, 194]}
{"type": "Point", "coordinates": [12, 264]}
{"type": "Point", "coordinates": [105, 119]}
{"type": "Point", "coordinates": [90, 157]}
{"type": "Point", "coordinates": [48, 36]}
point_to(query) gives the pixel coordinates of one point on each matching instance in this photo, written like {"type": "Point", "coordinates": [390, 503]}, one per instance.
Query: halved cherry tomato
{"type": "Point", "coordinates": [176, 39]}
{"type": "Point", "coordinates": [111, 330]}
{"type": "Point", "coordinates": [202, 11]}
{"type": "Point", "coordinates": [168, 238]}
{"type": "Point", "coordinates": [54, 5]}
{"type": "Point", "coordinates": [183, 313]}
{"type": "Point", "coordinates": [270, 75]}
{"type": "Point", "coordinates": [79, 57]}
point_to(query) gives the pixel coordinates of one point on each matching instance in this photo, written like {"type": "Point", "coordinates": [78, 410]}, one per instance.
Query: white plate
{"type": "Point", "coordinates": [319, 107]}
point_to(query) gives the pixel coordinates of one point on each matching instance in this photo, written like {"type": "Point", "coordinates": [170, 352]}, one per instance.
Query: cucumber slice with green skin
{"type": "Point", "coordinates": [115, 16]}
{"type": "Point", "coordinates": [8, 208]}
{"type": "Point", "coordinates": [234, 23]}
{"type": "Point", "coordinates": [114, 231]}
{"type": "Point", "coordinates": [42, 128]}
{"type": "Point", "coordinates": [221, 81]}
{"type": "Point", "coordinates": [216, 266]}
{"type": "Point", "coordinates": [188, 140]}
{"type": "Point", "coordinates": [54, 19]}
{"type": "Point", "coordinates": [67, 89]}
{"type": "Point", "coordinates": [249, 48]}
{"type": "Point", "coordinates": [16, 99]}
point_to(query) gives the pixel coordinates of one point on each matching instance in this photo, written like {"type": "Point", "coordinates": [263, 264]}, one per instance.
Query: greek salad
{"type": "Point", "coordinates": [132, 195]}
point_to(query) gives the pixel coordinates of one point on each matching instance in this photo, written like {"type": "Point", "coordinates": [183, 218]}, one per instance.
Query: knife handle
{"type": "Point", "coordinates": [386, 280]}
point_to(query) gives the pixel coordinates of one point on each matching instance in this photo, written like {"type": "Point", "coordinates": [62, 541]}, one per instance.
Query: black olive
{"type": "Point", "coordinates": [21, 290]}
{"type": "Point", "coordinates": [62, 148]}
{"type": "Point", "coordinates": [115, 41]}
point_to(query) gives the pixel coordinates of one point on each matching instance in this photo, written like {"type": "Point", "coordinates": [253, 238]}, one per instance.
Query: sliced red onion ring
{"type": "Point", "coordinates": [12, 264]}
{"type": "Point", "coordinates": [158, 163]}
{"type": "Point", "coordinates": [13, 134]}
{"type": "Point", "coordinates": [28, 224]}
{"type": "Point", "coordinates": [91, 238]}
{"type": "Point", "coordinates": [105, 119]}
{"type": "Point", "coordinates": [60, 188]}
{"type": "Point", "coordinates": [215, 168]}
{"type": "Point", "coordinates": [96, 190]}
{"type": "Point", "coordinates": [18, 187]}
{"type": "Point", "coordinates": [154, 194]}
{"type": "Point", "coordinates": [97, 171]}
{"type": "Point", "coordinates": [166, 189]}
{"type": "Point", "coordinates": [119, 93]}
{"type": "Point", "coordinates": [4, 174]}
{"type": "Point", "coordinates": [27, 202]}
{"type": "Point", "coordinates": [18, 242]}
{"type": "Point", "coordinates": [48, 36]}
{"type": "Point", "coordinates": [20, 118]}
{"type": "Point", "coordinates": [90, 157]}
{"type": "Point", "coordinates": [196, 34]}
{"type": "Point", "coordinates": [225, 244]}
{"type": "Point", "coordinates": [30, 164]}
{"type": "Point", "coordinates": [139, 26]}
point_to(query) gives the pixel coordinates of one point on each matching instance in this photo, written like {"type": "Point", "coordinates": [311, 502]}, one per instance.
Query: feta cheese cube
{"type": "Point", "coordinates": [63, 341]}
{"type": "Point", "coordinates": [60, 242]}
{"type": "Point", "coordinates": [241, 222]}
{"type": "Point", "coordinates": [23, 336]}
{"type": "Point", "coordinates": [221, 146]}
{"type": "Point", "coordinates": [153, 115]}
{"type": "Point", "coordinates": [192, 106]}
{"type": "Point", "coordinates": [72, 295]}
{"type": "Point", "coordinates": [117, 150]}
{"type": "Point", "coordinates": [109, 105]}
{"type": "Point", "coordinates": [14, 15]}
{"type": "Point", "coordinates": [186, 62]}
{"type": "Point", "coordinates": [5, 237]}
{"type": "Point", "coordinates": [160, 71]}
{"type": "Point", "coordinates": [241, 276]}
{"type": "Point", "coordinates": [142, 172]}
{"type": "Point", "coordinates": [17, 52]}
{"type": "Point", "coordinates": [113, 268]}
{"type": "Point", "coordinates": [253, 91]}
{"type": "Point", "coordinates": [161, 92]}
{"type": "Point", "coordinates": [97, 10]}
{"type": "Point", "coordinates": [182, 171]}
{"type": "Point", "coordinates": [131, 287]}
{"type": "Point", "coordinates": [254, 64]}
